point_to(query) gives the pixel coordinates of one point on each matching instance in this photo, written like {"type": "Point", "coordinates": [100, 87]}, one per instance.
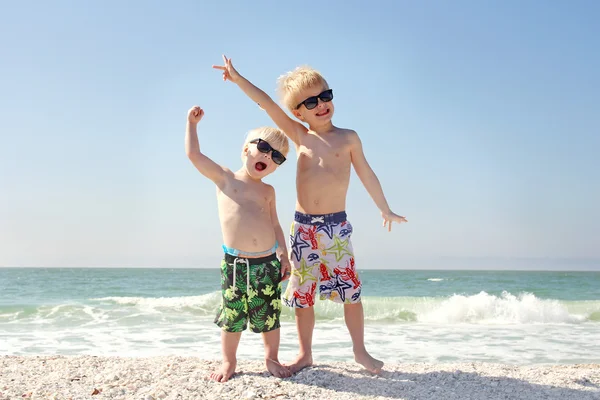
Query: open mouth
{"type": "Point", "coordinates": [322, 113]}
{"type": "Point", "coordinates": [260, 166]}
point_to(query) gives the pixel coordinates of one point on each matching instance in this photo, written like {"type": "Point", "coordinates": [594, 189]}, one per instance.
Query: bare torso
{"type": "Point", "coordinates": [323, 171]}
{"type": "Point", "coordinates": [244, 213]}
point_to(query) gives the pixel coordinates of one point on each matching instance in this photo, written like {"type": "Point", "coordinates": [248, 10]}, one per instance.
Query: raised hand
{"type": "Point", "coordinates": [389, 217]}
{"type": "Point", "coordinates": [229, 73]}
{"type": "Point", "coordinates": [195, 114]}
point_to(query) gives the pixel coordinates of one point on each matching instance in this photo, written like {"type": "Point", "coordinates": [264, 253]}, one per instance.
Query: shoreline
{"type": "Point", "coordinates": [171, 377]}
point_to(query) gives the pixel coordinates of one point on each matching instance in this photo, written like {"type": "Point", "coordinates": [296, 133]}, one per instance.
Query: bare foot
{"type": "Point", "coordinates": [276, 369]}
{"type": "Point", "coordinates": [371, 364]}
{"type": "Point", "coordinates": [301, 362]}
{"type": "Point", "coordinates": [224, 373]}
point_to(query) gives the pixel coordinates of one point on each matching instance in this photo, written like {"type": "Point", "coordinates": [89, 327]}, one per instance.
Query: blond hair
{"type": "Point", "coordinates": [275, 137]}
{"type": "Point", "coordinates": [292, 83]}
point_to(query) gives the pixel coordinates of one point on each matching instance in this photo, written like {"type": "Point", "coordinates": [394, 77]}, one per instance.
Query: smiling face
{"type": "Point", "coordinates": [319, 115]}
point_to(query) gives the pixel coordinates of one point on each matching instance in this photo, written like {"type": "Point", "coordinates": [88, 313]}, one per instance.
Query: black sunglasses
{"type": "Point", "coordinates": [312, 102]}
{"type": "Point", "coordinates": [265, 147]}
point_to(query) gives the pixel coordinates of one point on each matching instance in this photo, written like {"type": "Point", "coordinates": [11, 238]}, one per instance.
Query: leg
{"type": "Point", "coordinates": [355, 321]}
{"type": "Point", "coordinates": [301, 289]}
{"type": "Point", "coordinates": [271, 341]}
{"type": "Point", "coordinates": [229, 345]}
{"type": "Point", "coordinates": [305, 323]}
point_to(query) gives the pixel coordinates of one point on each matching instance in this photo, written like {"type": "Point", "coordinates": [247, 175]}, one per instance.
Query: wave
{"type": "Point", "coordinates": [481, 308]}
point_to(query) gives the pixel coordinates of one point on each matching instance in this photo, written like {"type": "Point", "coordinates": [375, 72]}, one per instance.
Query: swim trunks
{"type": "Point", "coordinates": [251, 294]}
{"type": "Point", "coordinates": [321, 255]}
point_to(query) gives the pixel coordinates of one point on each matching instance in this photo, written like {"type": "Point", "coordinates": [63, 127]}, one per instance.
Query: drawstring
{"type": "Point", "coordinates": [241, 260]}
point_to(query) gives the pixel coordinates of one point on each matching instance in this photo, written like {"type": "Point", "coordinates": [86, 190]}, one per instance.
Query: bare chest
{"type": "Point", "coordinates": [249, 199]}
{"type": "Point", "coordinates": [324, 156]}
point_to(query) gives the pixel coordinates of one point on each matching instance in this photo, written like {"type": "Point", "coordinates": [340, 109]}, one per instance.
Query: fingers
{"type": "Point", "coordinates": [285, 274]}
{"type": "Point", "coordinates": [387, 223]}
{"type": "Point", "coordinates": [224, 59]}
{"type": "Point", "coordinates": [220, 67]}
{"type": "Point", "coordinates": [401, 219]}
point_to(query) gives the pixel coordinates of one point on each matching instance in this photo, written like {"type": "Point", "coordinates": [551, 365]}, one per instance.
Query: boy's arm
{"type": "Point", "coordinates": [281, 251]}
{"type": "Point", "coordinates": [205, 165]}
{"type": "Point", "coordinates": [291, 128]}
{"type": "Point", "coordinates": [371, 182]}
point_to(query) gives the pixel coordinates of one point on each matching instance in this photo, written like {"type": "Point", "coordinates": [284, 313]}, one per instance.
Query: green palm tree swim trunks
{"type": "Point", "coordinates": [251, 294]}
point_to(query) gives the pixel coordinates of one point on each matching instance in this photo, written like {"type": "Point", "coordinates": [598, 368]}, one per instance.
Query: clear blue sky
{"type": "Point", "coordinates": [481, 120]}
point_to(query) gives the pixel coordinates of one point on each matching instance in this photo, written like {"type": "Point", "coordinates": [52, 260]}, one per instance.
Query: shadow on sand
{"type": "Point", "coordinates": [444, 385]}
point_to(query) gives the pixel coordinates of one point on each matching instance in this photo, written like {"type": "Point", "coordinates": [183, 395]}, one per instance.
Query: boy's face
{"type": "Point", "coordinates": [258, 163]}
{"type": "Point", "coordinates": [322, 112]}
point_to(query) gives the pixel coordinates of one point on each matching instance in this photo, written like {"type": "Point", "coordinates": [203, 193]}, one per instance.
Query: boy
{"type": "Point", "coordinates": [250, 274]}
{"type": "Point", "coordinates": [320, 237]}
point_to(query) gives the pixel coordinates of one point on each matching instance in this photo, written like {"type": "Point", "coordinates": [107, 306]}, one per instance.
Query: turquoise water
{"type": "Point", "coordinates": [411, 316]}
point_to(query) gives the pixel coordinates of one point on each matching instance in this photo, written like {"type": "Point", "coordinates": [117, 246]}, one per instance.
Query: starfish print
{"type": "Point", "coordinates": [339, 248]}
{"type": "Point", "coordinates": [304, 273]}
{"type": "Point", "coordinates": [340, 286]}
{"type": "Point", "coordinates": [328, 229]}
{"type": "Point", "coordinates": [297, 245]}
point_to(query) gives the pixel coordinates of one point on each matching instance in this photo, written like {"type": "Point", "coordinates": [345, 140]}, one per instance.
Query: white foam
{"type": "Point", "coordinates": [484, 308]}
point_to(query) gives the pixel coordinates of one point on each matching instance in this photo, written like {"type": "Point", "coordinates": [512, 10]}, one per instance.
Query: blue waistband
{"type": "Point", "coordinates": [236, 252]}
{"type": "Point", "coordinates": [323, 219]}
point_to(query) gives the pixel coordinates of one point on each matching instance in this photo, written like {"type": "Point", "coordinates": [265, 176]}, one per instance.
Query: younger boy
{"type": "Point", "coordinates": [251, 272]}
{"type": "Point", "coordinates": [320, 240]}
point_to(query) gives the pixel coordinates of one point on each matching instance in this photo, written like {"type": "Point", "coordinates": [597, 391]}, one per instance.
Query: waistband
{"type": "Point", "coordinates": [230, 259]}
{"type": "Point", "coordinates": [323, 219]}
{"type": "Point", "coordinates": [241, 254]}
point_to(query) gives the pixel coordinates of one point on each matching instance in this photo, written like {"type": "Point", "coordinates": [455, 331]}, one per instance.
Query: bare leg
{"type": "Point", "coordinates": [355, 321]}
{"type": "Point", "coordinates": [305, 323]}
{"type": "Point", "coordinates": [271, 341]}
{"type": "Point", "coordinates": [229, 345]}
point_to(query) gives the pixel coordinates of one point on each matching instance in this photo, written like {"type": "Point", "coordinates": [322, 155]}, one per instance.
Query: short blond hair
{"type": "Point", "coordinates": [275, 137]}
{"type": "Point", "coordinates": [292, 83]}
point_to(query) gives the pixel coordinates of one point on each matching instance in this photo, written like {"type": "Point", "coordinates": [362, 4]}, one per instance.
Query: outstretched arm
{"type": "Point", "coordinates": [371, 183]}
{"type": "Point", "coordinates": [291, 128]}
{"type": "Point", "coordinates": [205, 165]}
{"type": "Point", "coordinates": [282, 252]}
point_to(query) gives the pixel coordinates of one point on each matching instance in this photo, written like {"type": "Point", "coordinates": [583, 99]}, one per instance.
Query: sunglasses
{"type": "Point", "coordinates": [313, 101]}
{"type": "Point", "coordinates": [265, 147]}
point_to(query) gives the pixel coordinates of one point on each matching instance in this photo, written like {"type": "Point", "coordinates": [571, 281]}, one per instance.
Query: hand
{"type": "Point", "coordinates": [229, 73]}
{"type": "Point", "coordinates": [285, 270]}
{"type": "Point", "coordinates": [195, 114]}
{"type": "Point", "coordinates": [389, 217]}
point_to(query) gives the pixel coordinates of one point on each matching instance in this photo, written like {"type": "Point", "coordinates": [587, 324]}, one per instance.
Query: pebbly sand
{"type": "Point", "coordinates": [88, 377]}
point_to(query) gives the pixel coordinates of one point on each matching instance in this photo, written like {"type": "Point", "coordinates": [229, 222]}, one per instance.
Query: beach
{"type": "Point", "coordinates": [149, 334]}
{"type": "Point", "coordinates": [90, 377]}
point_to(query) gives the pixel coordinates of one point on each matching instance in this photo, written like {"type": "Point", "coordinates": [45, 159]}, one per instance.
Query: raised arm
{"type": "Point", "coordinates": [371, 182]}
{"type": "Point", "coordinates": [282, 252]}
{"type": "Point", "coordinates": [205, 165]}
{"type": "Point", "coordinates": [291, 128]}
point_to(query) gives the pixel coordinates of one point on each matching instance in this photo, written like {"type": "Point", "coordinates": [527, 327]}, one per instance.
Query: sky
{"type": "Point", "coordinates": [481, 120]}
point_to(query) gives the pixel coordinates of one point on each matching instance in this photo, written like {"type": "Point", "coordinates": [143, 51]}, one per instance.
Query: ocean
{"type": "Point", "coordinates": [513, 317]}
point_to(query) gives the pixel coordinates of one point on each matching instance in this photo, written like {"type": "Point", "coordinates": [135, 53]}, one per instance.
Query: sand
{"type": "Point", "coordinates": [89, 377]}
